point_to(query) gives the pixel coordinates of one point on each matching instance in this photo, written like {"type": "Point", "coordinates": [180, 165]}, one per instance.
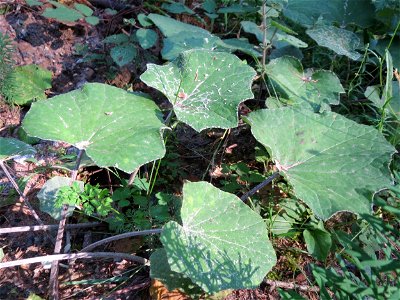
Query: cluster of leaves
{"type": "Point", "coordinates": [67, 14]}
{"type": "Point", "coordinates": [92, 201]}
{"type": "Point", "coordinates": [332, 163]}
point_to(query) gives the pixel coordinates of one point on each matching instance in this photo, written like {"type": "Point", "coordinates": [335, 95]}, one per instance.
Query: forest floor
{"type": "Point", "coordinates": [55, 47]}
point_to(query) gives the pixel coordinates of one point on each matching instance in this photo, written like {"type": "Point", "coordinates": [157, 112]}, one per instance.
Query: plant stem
{"type": "Point", "coordinates": [121, 236]}
{"type": "Point", "coordinates": [20, 193]}
{"type": "Point", "coordinates": [259, 186]}
{"type": "Point", "coordinates": [53, 282]}
{"type": "Point", "coordinates": [45, 227]}
{"type": "Point", "coordinates": [132, 177]}
{"type": "Point", "coordinates": [57, 257]}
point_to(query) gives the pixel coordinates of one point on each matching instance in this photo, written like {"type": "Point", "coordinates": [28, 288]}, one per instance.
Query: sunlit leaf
{"type": "Point", "coordinates": [115, 127]}
{"type": "Point", "coordinates": [333, 163]}
{"type": "Point", "coordinates": [205, 87]}
{"type": "Point", "coordinates": [221, 243]}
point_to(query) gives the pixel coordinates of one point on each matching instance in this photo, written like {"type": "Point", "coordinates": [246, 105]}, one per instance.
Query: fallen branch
{"type": "Point", "coordinates": [291, 286]}
{"type": "Point", "coordinates": [45, 227]}
{"type": "Point", "coordinates": [259, 186]}
{"type": "Point", "coordinates": [121, 236]}
{"type": "Point", "coordinates": [20, 193]}
{"type": "Point", "coordinates": [82, 255]}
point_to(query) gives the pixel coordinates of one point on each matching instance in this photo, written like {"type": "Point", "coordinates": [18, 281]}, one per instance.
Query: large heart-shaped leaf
{"type": "Point", "coordinates": [221, 244]}
{"type": "Point", "coordinates": [205, 87]}
{"type": "Point", "coordinates": [315, 90]}
{"type": "Point", "coordinates": [115, 127]}
{"type": "Point", "coordinates": [339, 40]}
{"type": "Point", "coordinates": [10, 148]}
{"type": "Point", "coordinates": [333, 163]}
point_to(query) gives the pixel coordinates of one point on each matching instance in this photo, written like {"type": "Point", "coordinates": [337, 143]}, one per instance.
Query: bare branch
{"type": "Point", "coordinates": [259, 186]}
{"type": "Point", "coordinates": [121, 236]}
{"type": "Point", "coordinates": [45, 227]}
{"type": "Point", "coordinates": [291, 286]}
{"type": "Point", "coordinates": [83, 255]}
{"type": "Point", "coordinates": [20, 193]}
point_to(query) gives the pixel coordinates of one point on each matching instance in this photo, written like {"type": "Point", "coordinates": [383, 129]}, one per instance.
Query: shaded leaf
{"type": "Point", "coordinates": [92, 20]}
{"type": "Point", "coordinates": [205, 87]}
{"type": "Point", "coordinates": [181, 36]}
{"type": "Point", "coordinates": [343, 12]}
{"type": "Point", "coordinates": [333, 163]}
{"type": "Point", "coordinates": [211, 247]}
{"type": "Point", "coordinates": [48, 194]}
{"type": "Point", "coordinates": [10, 148]}
{"type": "Point", "coordinates": [115, 127]}
{"type": "Point", "coordinates": [160, 269]}
{"type": "Point", "coordinates": [339, 40]}
{"type": "Point", "coordinates": [308, 89]}
{"type": "Point", "coordinates": [62, 13]}
{"type": "Point", "coordinates": [123, 54]}
{"type": "Point", "coordinates": [146, 37]}
{"type": "Point", "coordinates": [86, 10]}
{"type": "Point", "coordinates": [318, 242]}
{"type": "Point", "coordinates": [144, 20]}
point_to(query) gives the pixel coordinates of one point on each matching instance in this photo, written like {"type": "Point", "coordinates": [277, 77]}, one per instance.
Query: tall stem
{"type": "Point", "coordinates": [61, 227]}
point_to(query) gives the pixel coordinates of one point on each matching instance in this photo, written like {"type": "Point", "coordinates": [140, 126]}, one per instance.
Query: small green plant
{"type": "Point", "coordinates": [92, 201]}
{"type": "Point", "coordinates": [68, 14]}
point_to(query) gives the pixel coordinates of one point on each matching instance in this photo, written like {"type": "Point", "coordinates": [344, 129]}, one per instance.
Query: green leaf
{"type": "Point", "coordinates": [252, 28]}
{"type": "Point", "coordinates": [123, 54]}
{"type": "Point", "coordinates": [63, 14]}
{"type": "Point", "coordinates": [341, 41]}
{"type": "Point", "coordinates": [177, 8]}
{"type": "Point", "coordinates": [275, 36]}
{"type": "Point", "coordinates": [242, 45]}
{"type": "Point", "coordinates": [237, 9]}
{"type": "Point", "coordinates": [33, 3]}
{"type": "Point", "coordinates": [116, 39]}
{"type": "Point", "coordinates": [86, 10]}
{"type": "Point", "coordinates": [10, 148]}
{"type": "Point", "coordinates": [313, 90]}
{"type": "Point", "coordinates": [181, 36]}
{"type": "Point", "coordinates": [205, 87]}
{"type": "Point", "coordinates": [333, 163]}
{"type": "Point", "coordinates": [146, 37]}
{"type": "Point", "coordinates": [289, 295]}
{"type": "Point", "coordinates": [30, 83]}
{"type": "Point", "coordinates": [92, 20]}
{"type": "Point", "coordinates": [343, 12]}
{"type": "Point", "coordinates": [373, 93]}
{"type": "Point", "coordinates": [48, 194]}
{"type": "Point", "coordinates": [144, 20]}
{"type": "Point", "coordinates": [318, 242]}
{"type": "Point", "coordinates": [211, 247]}
{"type": "Point", "coordinates": [160, 269]}
{"type": "Point", "coordinates": [115, 127]}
